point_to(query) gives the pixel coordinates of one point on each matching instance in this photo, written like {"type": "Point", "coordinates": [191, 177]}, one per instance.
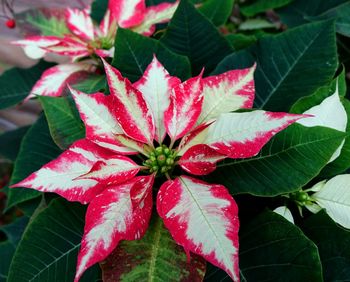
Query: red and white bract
{"type": "Point", "coordinates": [185, 107]}
{"type": "Point", "coordinates": [227, 92]}
{"type": "Point", "coordinates": [80, 23]}
{"type": "Point", "coordinates": [62, 174]}
{"type": "Point", "coordinates": [242, 135]}
{"type": "Point", "coordinates": [131, 109]}
{"type": "Point", "coordinates": [200, 160]}
{"type": "Point", "coordinates": [53, 81]}
{"type": "Point", "coordinates": [127, 13]}
{"type": "Point", "coordinates": [111, 217]}
{"type": "Point", "coordinates": [156, 85]}
{"type": "Point", "coordinates": [203, 218]}
{"type": "Point", "coordinates": [34, 46]}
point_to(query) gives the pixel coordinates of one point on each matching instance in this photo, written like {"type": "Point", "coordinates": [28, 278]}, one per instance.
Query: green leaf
{"type": "Point", "coordinates": [37, 149]}
{"type": "Point", "coordinates": [16, 83]}
{"type": "Point", "coordinates": [273, 249]}
{"type": "Point", "coordinates": [253, 24]}
{"type": "Point", "coordinates": [190, 34]}
{"type": "Point", "coordinates": [292, 64]}
{"type": "Point", "coordinates": [300, 12]}
{"type": "Point", "coordinates": [134, 52]}
{"type": "Point", "coordinates": [156, 257]}
{"type": "Point", "coordinates": [341, 163]}
{"type": "Point", "coordinates": [217, 11]}
{"type": "Point", "coordinates": [92, 84]}
{"type": "Point", "coordinates": [237, 60]}
{"type": "Point", "coordinates": [13, 233]}
{"type": "Point", "coordinates": [240, 41]}
{"type": "Point", "coordinates": [10, 142]}
{"type": "Point", "coordinates": [98, 9]}
{"type": "Point", "coordinates": [333, 245]}
{"type": "Point", "coordinates": [289, 161]}
{"type": "Point", "coordinates": [261, 6]}
{"type": "Point", "coordinates": [49, 247]}
{"type": "Point", "coordinates": [63, 119]}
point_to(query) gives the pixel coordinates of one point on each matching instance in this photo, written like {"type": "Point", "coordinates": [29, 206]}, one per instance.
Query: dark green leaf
{"type": "Point", "coordinates": [92, 84]}
{"type": "Point", "coordinates": [217, 11]}
{"type": "Point", "coordinates": [37, 149]}
{"type": "Point", "coordinates": [237, 60]}
{"type": "Point", "coordinates": [98, 9]}
{"type": "Point", "coordinates": [134, 52]}
{"type": "Point", "coordinates": [190, 34]}
{"type": "Point", "coordinates": [14, 230]}
{"type": "Point", "coordinates": [341, 163]}
{"type": "Point", "coordinates": [261, 6]}
{"type": "Point", "coordinates": [16, 83]}
{"type": "Point", "coordinates": [273, 249]}
{"type": "Point", "coordinates": [333, 244]}
{"type": "Point", "coordinates": [240, 41]}
{"type": "Point", "coordinates": [49, 247]}
{"type": "Point", "coordinates": [292, 64]}
{"type": "Point", "coordinates": [289, 161]}
{"type": "Point", "coordinates": [156, 257]}
{"type": "Point", "coordinates": [10, 142]}
{"type": "Point", "coordinates": [63, 119]}
{"type": "Point", "coordinates": [300, 12]}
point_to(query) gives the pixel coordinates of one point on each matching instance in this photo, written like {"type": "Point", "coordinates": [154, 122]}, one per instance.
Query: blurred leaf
{"type": "Point", "coordinates": [16, 83]}
{"type": "Point", "coordinates": [217, 11]}
{"type": "Point", "coordinates": [10, 142]}
{"type": "Point", "coordinates": [63, 119]}
{"type": "Point", "coordinates": [253, 24]}
{"type": "Point", "coordinates": [273, 249]}
{"type": "Point", "coordinates": [134, 52]}
{"type": "Point", "coordinates": [240, 41]}
{"type": "Point", "coordinates": [288, 162]}
{"type": "Point", "coordinates": [259, 6]}
{"type": "Point", "coordinates": [37, 149]}
{"type": "Point", "coordinates": [98, 9]}
{"type": "Point", "coordinates": [190, 34]}
{"type": "Point", "coordinates": [92, 84]}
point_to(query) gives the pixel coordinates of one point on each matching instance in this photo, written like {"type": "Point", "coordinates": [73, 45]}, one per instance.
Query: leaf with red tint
{"type": "Point", "coordinates": [127, 13]}
{"type": "Point", "coordinates": [80, 23]}
{"type": "Point", "coordinates": [156, 257]}
{"type": "Point", "coordinates": [203, 218]}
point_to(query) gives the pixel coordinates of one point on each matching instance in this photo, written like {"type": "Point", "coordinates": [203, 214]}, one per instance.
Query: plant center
{"type": "Point", "coordinates": [161, 160]}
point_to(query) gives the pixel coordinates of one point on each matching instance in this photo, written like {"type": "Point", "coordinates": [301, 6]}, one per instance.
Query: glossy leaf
{"type": "Point", "coordinates": [190, 34]}
{"type": "Point", "coordinates": [37, 149]}
{"type": "Point", "coordinates": [134, 52]}
{"type": "Point", "coordinates": [92, 84]}
{"type": "Point", "coordinates": [272, 248]}
{"type": "Point", "coordinates": [333, 245]}
{"type": "Point", "coordinates": [63, 119]}
{"type": "Point", "coordinates": [17, 83]}
{"type": "Point", "coordinates": [48, 250]}
{"type": "Point", "coordinates": [10, 142]}
{"type": "Point", "coordinates": [299, 153]}
{"type": "Point", "coordinates": [147, 259]}
{"type": "Point", "coordinates": [262, 6]}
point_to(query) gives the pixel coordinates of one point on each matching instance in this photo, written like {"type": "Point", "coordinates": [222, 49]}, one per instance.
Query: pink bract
{"type": "Point", "coordinates": [137, 119]}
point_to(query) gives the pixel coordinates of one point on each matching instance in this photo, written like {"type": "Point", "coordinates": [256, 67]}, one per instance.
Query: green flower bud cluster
{"type": "Point", "coordinates": [301, 198]}
{"type": "Point", "coordinates": [161, 159]}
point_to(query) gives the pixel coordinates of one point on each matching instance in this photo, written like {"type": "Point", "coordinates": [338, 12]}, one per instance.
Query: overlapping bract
{"type": "Point", "coordinates": [201, 217]}
{"type": "Point", "coordinates": [85, 39]}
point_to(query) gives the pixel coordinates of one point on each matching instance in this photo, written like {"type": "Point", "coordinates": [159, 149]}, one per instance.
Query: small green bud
{"type": "Point", "coordinates": [169, 161]}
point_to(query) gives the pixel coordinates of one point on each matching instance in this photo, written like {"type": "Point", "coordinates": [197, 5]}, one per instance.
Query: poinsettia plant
{"type": "Point", "coordinates": [180, 141]}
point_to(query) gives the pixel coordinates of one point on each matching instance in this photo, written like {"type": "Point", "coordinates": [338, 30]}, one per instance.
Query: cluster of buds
{"type": "Point", "coordinates": [161, 159]}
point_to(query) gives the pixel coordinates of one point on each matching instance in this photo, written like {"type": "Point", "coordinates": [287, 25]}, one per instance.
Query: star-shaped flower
{"type": "Point", "coordinates": [171, 125]}
{"type": "Point", "coordinates": [85, 40]}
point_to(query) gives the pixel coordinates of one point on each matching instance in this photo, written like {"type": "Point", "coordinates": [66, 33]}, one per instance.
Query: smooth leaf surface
{"type": "Point", "coordinates": [273, 249]}
{"type": "Point", "coordinates": [262, 6]}
{"type": "Point", "coordinates": [37, 149]}
{"type": "Point", "coordinates": [49, 247]}
{"type": "Point", "coordinates": [134, 52]}
{"type": "Point", "coordinates": [156, 257]}
{"type": "Point", "coordinates": [63, 119]}
{"type": "Point", "coordinates": [217, 11]}
{"type": "Point", "coordinates": [289, 161]}
{"type": "Point", "coordinates": [286, 64]}
{"type": "Point", "coordinates": [190, 34]}
{"type": "Point", "coordinates": [16, 83]}
{"type": "Point", "coordinates": [10, 142]}
{"type": "Point", "coordinates": [92, 84]}
{"type": "Point", "coordinates": [333, 245]}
